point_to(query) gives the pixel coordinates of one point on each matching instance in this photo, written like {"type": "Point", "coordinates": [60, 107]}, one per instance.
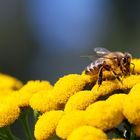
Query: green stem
{"type": "Point", "coordinates": [132, 134]}
{"type": "Point", "coordinates": [9, 133]}
{"type": "Point", "coordinates": [36, 115]}
{"type": "Point", "coordinates": [25, 124]}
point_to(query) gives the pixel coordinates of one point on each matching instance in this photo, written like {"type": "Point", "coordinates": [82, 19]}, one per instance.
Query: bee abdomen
{"type": "Point", "coordinates": [92, 69]}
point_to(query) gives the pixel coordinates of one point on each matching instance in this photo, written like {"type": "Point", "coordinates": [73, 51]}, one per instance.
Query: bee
{"type": "Point", "coordinates": [109, 61]}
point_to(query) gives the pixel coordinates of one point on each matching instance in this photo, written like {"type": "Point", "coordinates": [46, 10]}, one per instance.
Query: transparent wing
{"type": "Point", "coordinates": [91, 57]}
{"type": "Point", "coordinates": [101, 51]}
{"type": "Point", "coordinates": [99, 61]}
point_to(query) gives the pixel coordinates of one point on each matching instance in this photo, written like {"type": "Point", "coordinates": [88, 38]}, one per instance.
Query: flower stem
{"type": "Point", "coordinates": [9, 135]}
{"type": "Point", "coordinates": [25, 124]}
{"type": "Point", "coordinates": [36, 115]}
{"type": "Point", "coordinates": [132, 134]}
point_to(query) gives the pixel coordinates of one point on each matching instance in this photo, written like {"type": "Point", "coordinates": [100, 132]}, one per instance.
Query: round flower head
{"type": "Point", "coordinates": [79, 101]}
{"type": "Point", "coordinates": [7, 81]}
{"type": "Point", "coordinates": [129, 81]}
{"type": "Point", "coordinates": [67, 86]}
{"type": "Point", "coordinates": [90, 78]}
{"type": "Point", "coordinates": [131, 107]}
{"type": "Point", "coordinates": [86, 132]}
{"type": "Point", "coordinates": [43, 101]}
{"type": "Point", "coordinates": [136, 63]}
{"type": "Point", "coordinates": [32, 87]}
{"type": "Point", "coordinates": [35, 86]}
{"type": "Point", "coordinates": [105, 88]}
{"type": "Point", "coordinates": [9, 112]}
{"type": "Point", "coordinates": [69, 122]}
{"type": "Point", "coordinates": [103, 115]}
{"type": "Point", "coordinates": [116, 100]}
{"type": "Point", "coordinates": [137, 130]}
{"type": "Point", "coordinates": [4, 93]}
{"type": "Point", "coordinates": [135, 89]}
{"type": "Point", "coordinates": [46, 125]}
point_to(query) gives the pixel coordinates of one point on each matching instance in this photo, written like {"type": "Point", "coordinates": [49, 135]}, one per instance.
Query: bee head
{"type": "Point", "coordinates": [127, 59]}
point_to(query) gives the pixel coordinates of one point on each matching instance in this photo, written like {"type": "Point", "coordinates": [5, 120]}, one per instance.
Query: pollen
{"type": "Point", "coordinates": [131, 106]}
{"type": "Point", "coordinates": [43, 101]}
{"type": "Point", "coordinates": [79, 101]}
{"type": "Point", "coordinates": [86, 132]}
{"type": "Point", "coordinates": [103, 115]}
{"type": "Point", "coordinates": [46, 125]}
{"type": "Point", "coordinates": [69, 122]}
{"type": "Point", "coordinates": [25, 93]}
{"type": "Point", "coordinates": [105, 88]}
{"type": "Point", "coordinates": [129, 81]}
{"type": "Point", "coordinates": [68, 85]}
{"type": "Point", "coordinates": [136, 65]}
{"type": "Point", "coordinates": [9, 112]}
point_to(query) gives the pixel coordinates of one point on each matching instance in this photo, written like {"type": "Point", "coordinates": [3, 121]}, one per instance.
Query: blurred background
{"type": "Point", "coordinates": [44, 39]}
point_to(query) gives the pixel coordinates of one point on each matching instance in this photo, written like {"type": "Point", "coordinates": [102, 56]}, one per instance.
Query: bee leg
{"type": "Point", "coordinates": [115, 74]}
{"type": "Point", "coordinates": [133, 67]}
{"type": "Point", "coordinates": [123, 72]}
{"type": "Point", "coordinates": [100, 77]}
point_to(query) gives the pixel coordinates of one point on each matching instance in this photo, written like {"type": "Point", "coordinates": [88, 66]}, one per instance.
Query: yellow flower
{"type": "Point", "coordinates": [103, 115]}
{"type": "Point", "coordinates": [118, 139]}
{"type": "Point", "coordinates": [46, 124]}
{"type": "Point", "coordinates": [4, 93]}
{"type": "Point", "coordinates": [131, 105]}
{"type": "Point", "coordinates": [108, 87]}
{"type": "Point", "coordinates": [9, 112]}
{"type": "Point", "coordinates": [69, 122]}
{"type": "Point", "coordinates": [137, 130]}
{"type": "Point", "coordinates": [32, 87]}
{"type": "Point", "coordinates": [7, 81]}
{"type": "Point", "coordinates": [131, 108]}
{"type": "Point", "coordinates": [67, 86]}
{"type": "Point", "coordinates": [79, 101]}
{"type": "Point", "coordinates": [136, 62]}
{"type": "Point", "coordinates": [117, 100]}
{"type": "Point", "coordinates": [129, 81]}
{"type": "Point", "coordinates": [105, 88]}
{"type": "Point", "coordinates": [86, 132]}
{"type": "Point", "coordinates": [135, 89]}
{"type": "Point", "coordinates": [90, 78]}
{"type": "Point", "coordinates": [43, 101]}
{"type": "Point", "coordinates": [35, 86]}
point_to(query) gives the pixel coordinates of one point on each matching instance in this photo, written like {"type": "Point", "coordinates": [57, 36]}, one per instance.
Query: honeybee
{"type": "Point", "coordinates": [109, 61]}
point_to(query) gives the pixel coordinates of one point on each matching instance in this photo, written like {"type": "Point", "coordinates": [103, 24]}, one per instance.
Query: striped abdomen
{"type": "Point", "coordinates": [94, 67]}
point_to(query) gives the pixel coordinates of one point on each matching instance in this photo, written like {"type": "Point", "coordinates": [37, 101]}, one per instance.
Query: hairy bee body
{"type": "Point", "coordinates": [109, 61]}
{"type": "Point", "coordinates": [94, 67]}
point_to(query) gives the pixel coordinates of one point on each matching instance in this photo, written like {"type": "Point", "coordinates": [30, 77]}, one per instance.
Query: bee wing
{"type": "Point", "coordinates": [91, 57]}
{"type": "Point", "coordinates": [99, 61]}
{"type": "Point", "coordinates": [101, 51]}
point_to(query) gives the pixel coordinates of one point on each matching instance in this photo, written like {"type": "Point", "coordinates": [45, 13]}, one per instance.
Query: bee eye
{"type": "Point", "coordinates": [124, 60]}
{"type": "Point", "coordinates": [115, 58]}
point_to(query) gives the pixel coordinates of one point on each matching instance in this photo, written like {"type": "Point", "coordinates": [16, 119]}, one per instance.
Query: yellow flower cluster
{"type": "Point", "coordinates": [80, 101]}
{"type": "Point", "coordinates": [75, 108]}
{"type": "Point", "coordinates": [14, 95]}
{"type": "Point", "coordinates": [86, 132]}
{"type": "Point", "coordinates": [9, 110]}
{"type": "Point", "coordinates": [46, 124]}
